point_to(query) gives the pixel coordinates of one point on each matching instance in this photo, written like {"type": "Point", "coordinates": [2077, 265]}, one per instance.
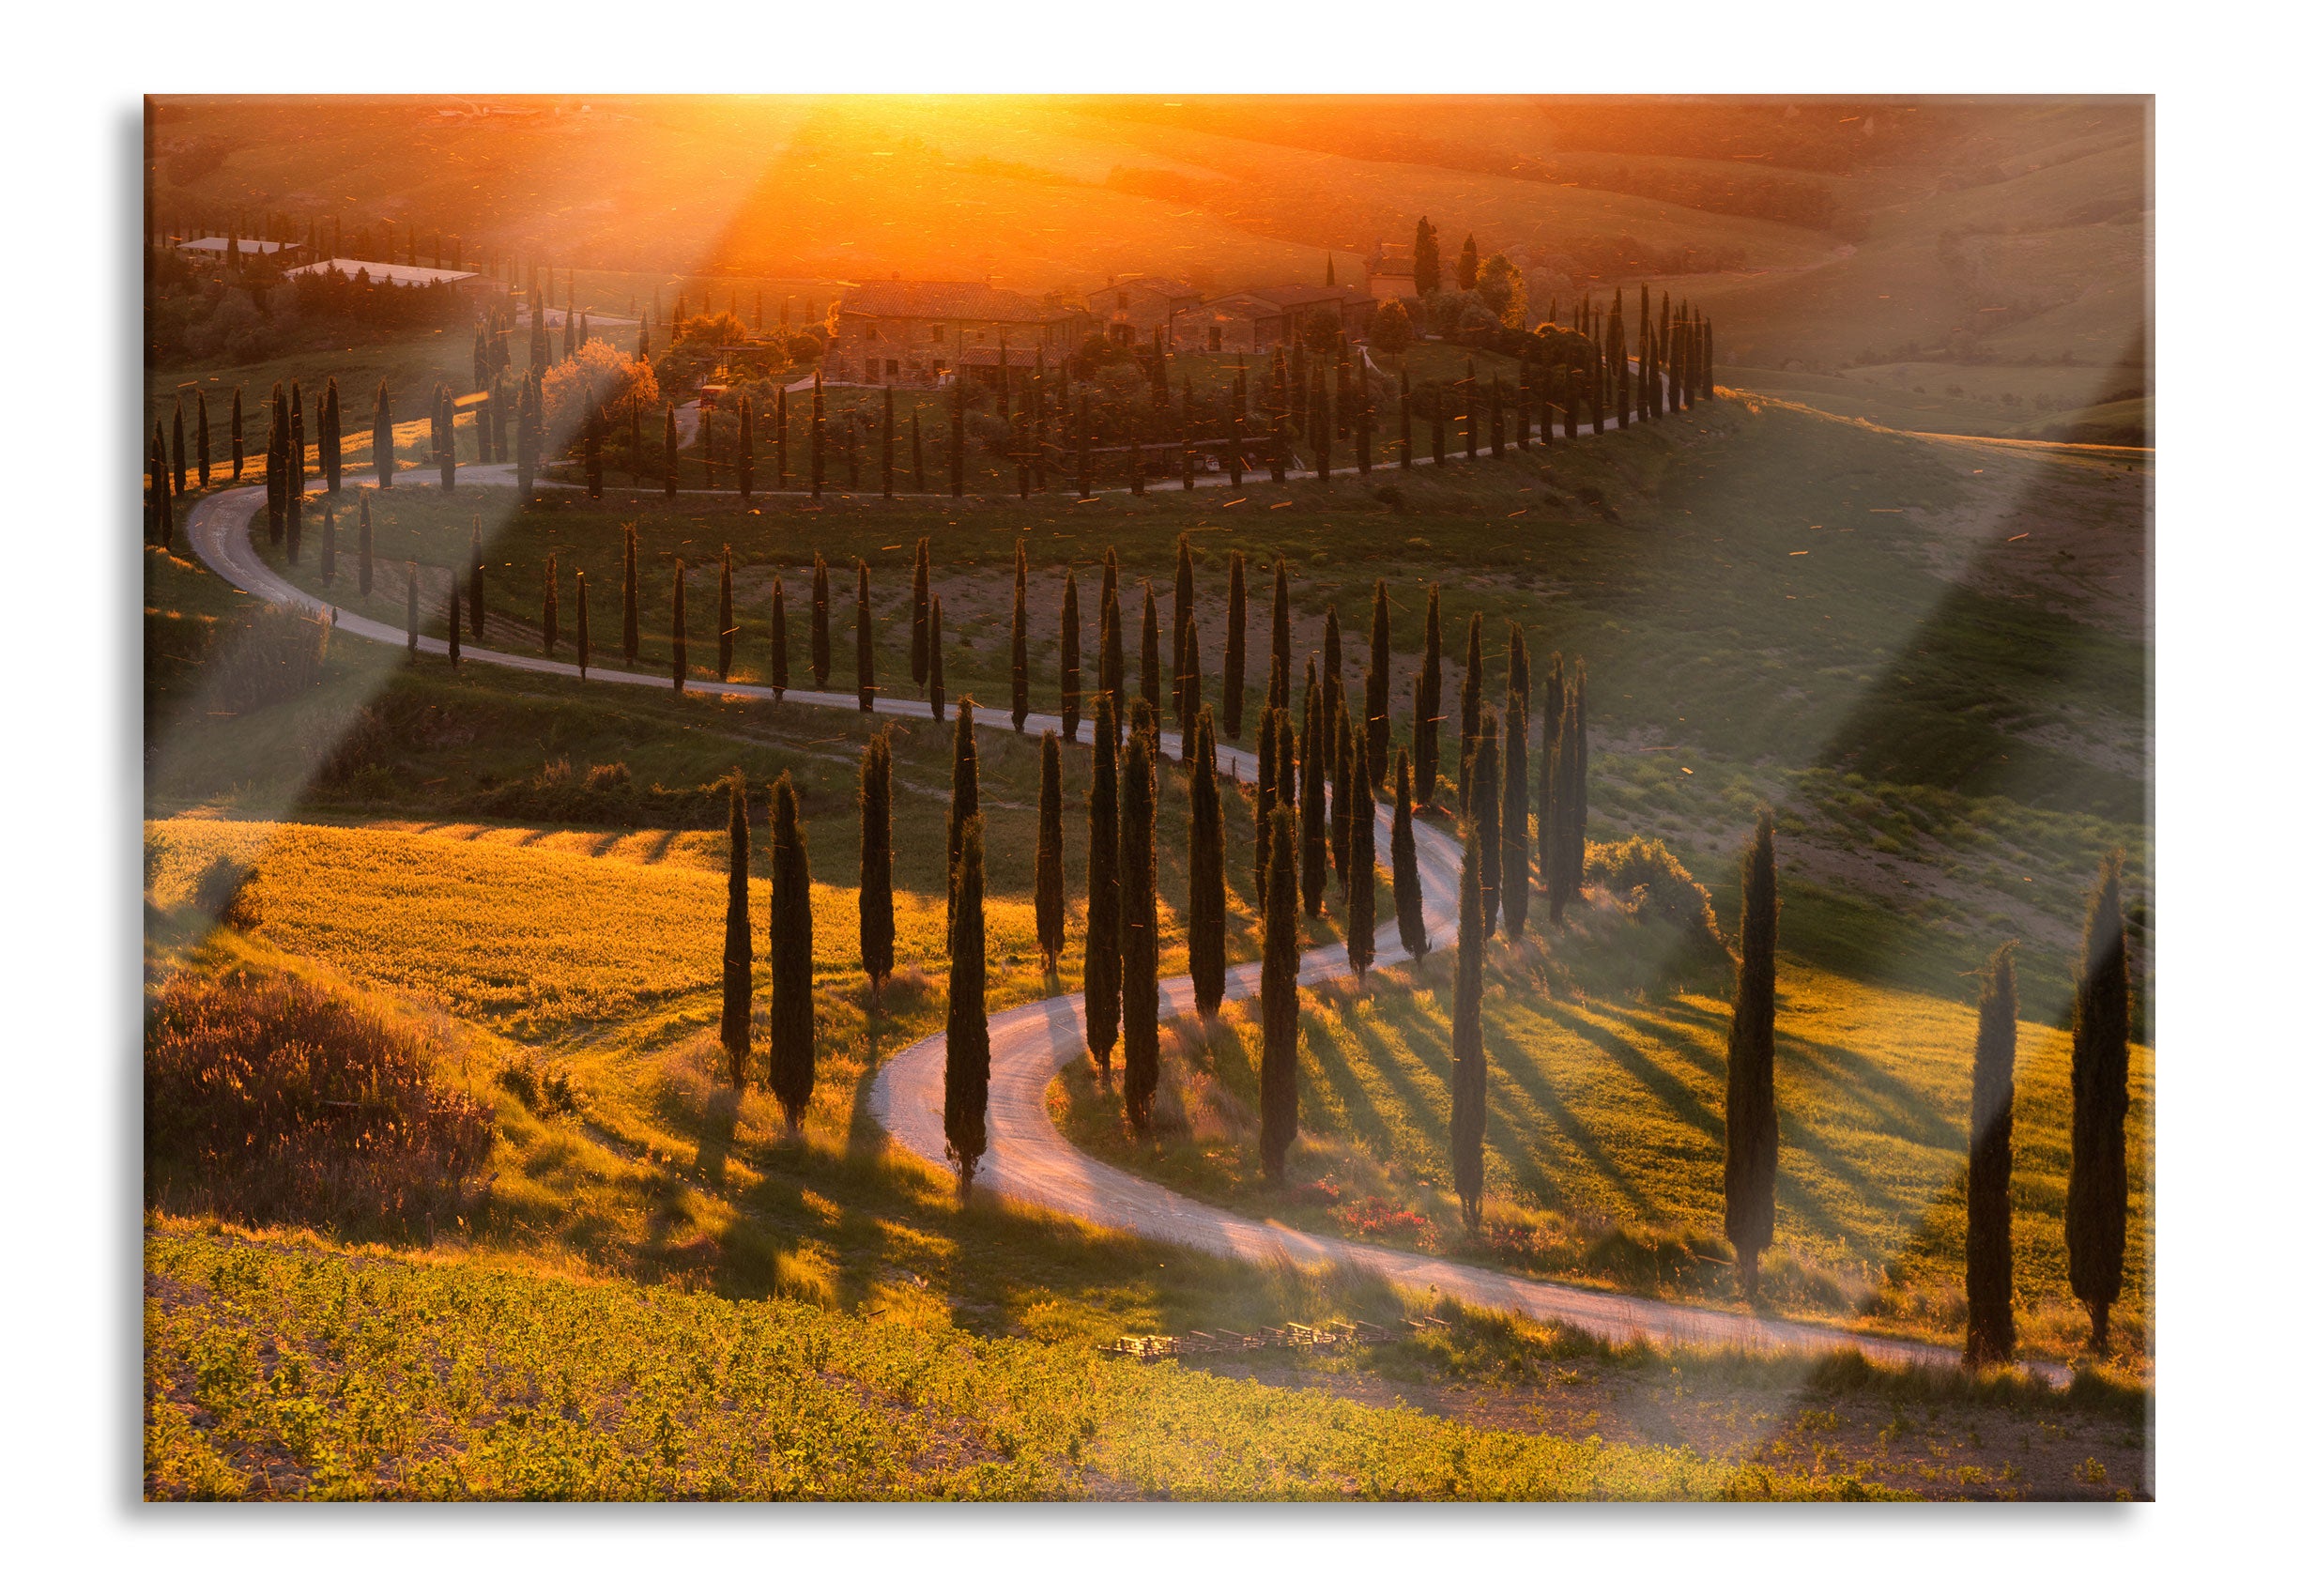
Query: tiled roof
{"type": "Point", "coordinates": [949, 301]}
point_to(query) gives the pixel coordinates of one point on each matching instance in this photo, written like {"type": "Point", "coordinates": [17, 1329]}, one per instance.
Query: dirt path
{"type": "Point", "coordinates": [1029, 1161]}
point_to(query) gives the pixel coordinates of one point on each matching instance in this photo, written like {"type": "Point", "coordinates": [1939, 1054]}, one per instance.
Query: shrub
{"type": "Point", "coordinates": [268, 1098]}
{"type": "Point", "coordinates": [277, 655]}
{"type": "Point", "coordinates": [1650, 881]}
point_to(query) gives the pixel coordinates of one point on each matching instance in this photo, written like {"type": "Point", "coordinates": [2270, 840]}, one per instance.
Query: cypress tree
{"type": "Point", "coordinates": [1281, 639]}
{"type": "Point", "coordinates": [727, 611]}
{"type": "Point", "coordinates": [1052, 896]}
{"type": "Point", "coordinates": [1577, 729]}
{"type": "Point", "coordinates": [1188, 699]}
{"type": "Point", "coordinates": [630, 593]}
{"type": "Point", "coordinates": [1514, 885]}
{"type": "Point", "coordinates": [1282, 963]}
{"type": "Point", "coordinates": [1070, 691]}
{"type": "Point", "coordinates": [454, 617]}
{"type": "Point", "coordinates": [1468, 1137]}
{"type": "Point", "coordinates": [778, 645]}
{"type": "Point", "coordinates": [1473, 693]}
{"type": "Point", "coordinates": [200, 432]}
{"type": "Point", "coordinates": [816, 440]}
{"type": "Point", "coordinates": [819, 630]}
{"type": "Point", "coordinates": [1017, 657]}
{"type": "Point", "coordinates": [966, 1030]}
{"type": "Point", "coordinates": [479, 587]}
{"type": "Point", "coordinates": [1139, 919]}
{"type": "Point", "coordinates": [367, 550]}
{"type": "Point", "coordinates": [1486, 807]}
{"type": "Point", "coordinates": [1110, 670]}
{"type": "Point", "coordinates": [934, 657]}
{"type": "Point", "coordinates": [1336, 705]}
{"type": "Point", "coordinates": [583, 626]}
{"type": "Point", "coordinates": [1312, 816]}
{"type": "Point", "coordinates": [1186, 610]}
{"type": "Point", "coordinates": [876, 910]}
{"type": "Point", "coordinates": [239, 434]}
{"type": "Point", "coordinates": [920, 592]}
{"type": "Point", "coordinates": [782, 437]}
{"type": "Point", "coordinates": [1209, 888]}
{"type": "Point", "coordinates": [1234, 650]}
{"type": "Point", "coordinates": [866, 650]}
{"type": "Point", "coordinates": [326, 546]}
{"type": "Point", "coordinates": [735, 962]}
{"type": "Point", "coordinates": [2100, 1044]}
{"type": "Point", "coordinates": [382, 442]}
{"type": "Point", "coordinates": [1753, 1128]}
{"type": "Point", "coordinates": [414, 596]}
{"type": "Point", "coordinates": [1266, 798]}
{"type": "Point", "coordinates": [743, 451]}
{"type": "Point", "coordinates": [1104, 940]}
{"type": "Point", "coordinates": [1988, 1171]}
{"type": "Point", "coordinates": [1329, 727]}
{"type": "Point", "coordinates": [1149, 697]}
{"type": "Point", "coordinates": [791, 954]}
{"type": "Point", "coordinates": [1377, 687]}
{"type": "Point", "coordinates": [965, 790]}
{"type": "Point", "coordinates": [1406, 868]}
{"type": "Point", "coordinates": [678, 625]}
{"type": "Point", "coordinates": [1427, 717]}
{"type": "Point", "coordinates": [442, 442]}
{"type": "Point", "coordinates": [670, 452]}
{"type": "Point", "coordinates": [1361, 853]}
{"type": "Point", "coordinates": [331, 437]}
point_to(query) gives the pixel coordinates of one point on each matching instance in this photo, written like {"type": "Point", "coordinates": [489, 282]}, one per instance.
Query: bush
{"type": "Point", "coordinates": [1650, 881]}
{"type": "Point", "coordinates": [268, 1098]}
{"type": "Point", "coordinates": [277, 655]}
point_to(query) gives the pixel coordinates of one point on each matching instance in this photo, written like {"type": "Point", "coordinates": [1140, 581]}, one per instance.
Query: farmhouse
{"type": "Point", "coordinates": [387, 271]}
{"type": "Point", "coordinates": [1390, 275]}
{"type": "Point", "coordinates": [218, 248]}
{"type": "Point", "coordinates": [913, 333]}
{"type": "Point", "coordinates": [1257, 319]}
{"type": "Point", "coordinates": [1130, 308]}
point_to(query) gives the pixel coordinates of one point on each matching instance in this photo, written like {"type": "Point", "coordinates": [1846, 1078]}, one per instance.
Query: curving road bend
{"type": "Point", "coordinates": [1029, 1161]}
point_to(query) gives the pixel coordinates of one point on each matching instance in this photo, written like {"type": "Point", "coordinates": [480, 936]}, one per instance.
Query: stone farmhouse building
{"type": "Point", "coordinates": [1254, 320]}
{"type": "Point", "coordinates": [914, 333]}
{"type": "Point", "coordinates": [1389, 274]}
{"type": "Point", "coordinates": [1131, 308]}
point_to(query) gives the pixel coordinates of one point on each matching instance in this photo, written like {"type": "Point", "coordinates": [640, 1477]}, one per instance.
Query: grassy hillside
{"type": "Point", "coordinates": [1606, 1137]}
{"type": "Point", "coordinates": [460, 1381]}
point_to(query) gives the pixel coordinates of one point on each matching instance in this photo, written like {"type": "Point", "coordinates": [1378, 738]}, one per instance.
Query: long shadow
{"type": "Point", "coordinates": [1426, 1090]}
{"type": "Point", "coordinates": [1899, 1108]}
{"type": "Point", "coordinates": [1524, 1074]}
{"type": "Point", "coordinates": [1672, 1093]}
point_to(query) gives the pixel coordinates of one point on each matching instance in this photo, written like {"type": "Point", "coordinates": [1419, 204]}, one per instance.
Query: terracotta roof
{"type": "Point", "coordinates": [947, 301]}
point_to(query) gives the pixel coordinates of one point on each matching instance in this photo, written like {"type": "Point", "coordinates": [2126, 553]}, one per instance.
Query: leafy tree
{"type": "Point", "coordinates": [966, 1029]}
{"type": "Point", "coordinates": [1071, 696]}
{"type": "Point", "coordinates": [790, 955]}
{"type": "Point", "coordinates": [1282, 963]}
{"type": "Point", "coordinates": [2100, 1046]}
{"type": "Point", "coordinates": [1988, 1171]}
{"type": "Point", "coordinates": [1312, 813]}
{"type": "Point", "coordinates": [735, 961]}
{"type": "Point", "coordinates": [1753, 1128]}
{"type": "Point", "coordinates": [1361, 853]}
{"type": "Point", "coordinates": [1017, 662]}
{"type": "Point", "coordinates": [1139, 918]}
{"type": "Point", "coordinates": [1467, 1129]}
{"type": "Point", "coordinates": [1393, 329]}
{"type": "Point", "coordinates": [1234, 650]}
{"type": "Point", "coordinates": [1105, 954]}
{"type": "Point", "coordinates": [820, 635]}
{"type": "Point", "coordinates": [876, 910]}
{"type": "Point", "coordinates": [1209, 905]}
{"type": "Point", "coordinates": [1052, 896]}
{"type": "Point", "coordinates": [1406, 868]}
{"type": "Point", "coordinates": [778, 645]}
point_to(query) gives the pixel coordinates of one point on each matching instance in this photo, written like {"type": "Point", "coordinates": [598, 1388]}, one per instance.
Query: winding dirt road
{"type": "Point", "coordinates": [1029, 1161]}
